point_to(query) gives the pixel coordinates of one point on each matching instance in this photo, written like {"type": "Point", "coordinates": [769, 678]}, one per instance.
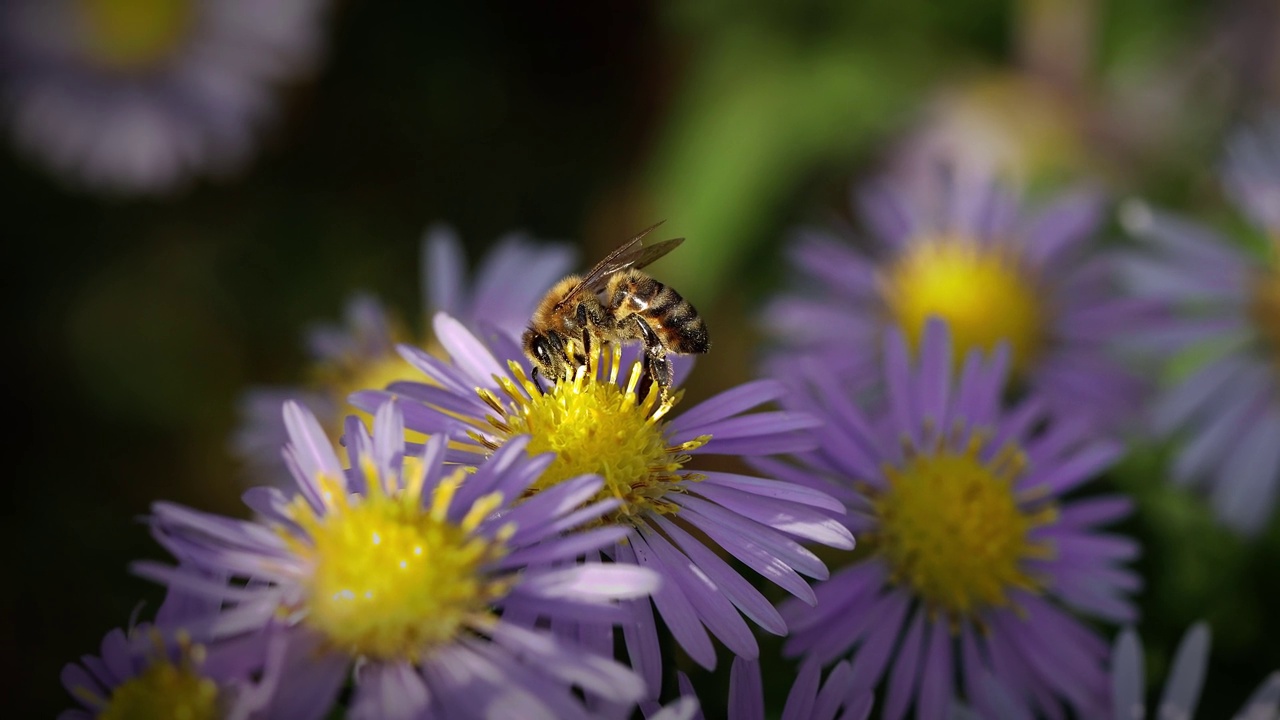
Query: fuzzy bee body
{"type": "Point", "coordinates": [633, 294]}
{"type": "Point", "coordinates": [615, 302]}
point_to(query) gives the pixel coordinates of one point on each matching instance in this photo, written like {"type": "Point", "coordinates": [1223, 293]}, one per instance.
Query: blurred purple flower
{"type": "Point", "coordinates": [361, 353]}
{"type": "Point", "coordinates": [400, 576]}
{"type": "Point", "coordinates": [965, 251]}
{"type": "Point", "coordinates": [597, 422]}
{"type": "Point", "coordinates": [158, 670]}
{"type": "Point", "coordinates": [140, 96]}
{"type": "Point", "coordinates": [1225, 320]}
{"type": "Point", "coordinates": [974, 561]}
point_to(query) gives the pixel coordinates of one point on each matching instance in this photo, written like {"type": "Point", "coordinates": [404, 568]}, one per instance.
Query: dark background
{"type": "Point", "coordinates": [133, 324]}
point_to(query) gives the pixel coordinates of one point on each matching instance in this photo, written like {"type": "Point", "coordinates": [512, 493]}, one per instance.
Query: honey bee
{"type": "Point", "coordinates": [615, 302]}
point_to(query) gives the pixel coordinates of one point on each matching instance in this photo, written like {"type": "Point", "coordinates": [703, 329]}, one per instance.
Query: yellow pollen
{"type": "Point", "coordinates": [133, 34]}
{"type": "Point", "coordinates": [952, 528]}
{"type": "Point", "coordinates": [393, 578]}
{"type": "Point", "coordinates": [981, 292]}
{"type": "Point", "coordinates": [1264, 308]}
{"type": "Point", "coordinates": [165, 690]}
{"type": "Point", "coordinates": [593, 425]}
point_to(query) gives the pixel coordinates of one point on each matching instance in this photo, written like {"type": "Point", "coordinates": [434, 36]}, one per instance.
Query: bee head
{"type": "Point", "coordinates": [546, 352]}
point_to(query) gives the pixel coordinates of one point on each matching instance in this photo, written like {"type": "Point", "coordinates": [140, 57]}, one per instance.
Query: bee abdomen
{"type": "Point", "coordinates": [682, 328]}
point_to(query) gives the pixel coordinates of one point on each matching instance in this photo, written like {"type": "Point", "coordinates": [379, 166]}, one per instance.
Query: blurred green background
{"type": "Point", "coordinates": [134, 324]}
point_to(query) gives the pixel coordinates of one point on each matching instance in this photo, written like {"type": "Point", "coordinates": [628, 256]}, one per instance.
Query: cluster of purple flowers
{"type": "Point", "coordinates": [462, 542]}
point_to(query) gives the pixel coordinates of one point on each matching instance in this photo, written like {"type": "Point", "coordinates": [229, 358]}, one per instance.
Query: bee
{"type": "Point", "coordinates": [615, 302]}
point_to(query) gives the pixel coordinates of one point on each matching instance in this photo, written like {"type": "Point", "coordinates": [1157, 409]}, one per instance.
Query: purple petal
{"type": "Point", "coordinates": [791, 518]}
{"type": "Point", "coordinates": [1182, 689]}
{"type": "Point", "coordinates": [727, 404]}
{"type": "Point", "coordinates": [310, 448]}
{"type": "Point", "coordinates": [469, 354]}
{"type": "Point", "coordinates": [746, 692]}
{"type": "Point", "coordinates": [676, 610]}
{"type": "Point", "coordinates": [906, 669]}
{"type": "Point", "coordinates": [594, 674]}
{"type": "Point", "coordinates": [773, 489]}
{"type": "Point", "coordinates": [592, 582]}
{"type": "Point", "coordinates": [563, 548]}
{"type": "Point", "coordinates": [736, 588]}
{"type": "Point", "coordinates": [713, 607]}
{"type": "Point", "coordinates": [389, 690]}
{"type": "Point", "coordinates": [764, 433]}
{"type": "Point", "coordinates": [751, 533]}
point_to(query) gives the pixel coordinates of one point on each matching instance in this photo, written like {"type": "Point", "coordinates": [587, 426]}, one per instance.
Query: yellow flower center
{"type": "Point", "coordinates": [982, 293]}
{"type": "Point", "coordinates": [953, 529]}
{"type": "Point", "coordinates": [393, 578]}
{"type": "Point", "coordinates": [338, 379]}
{"type": "Point", "coordinates": [132, 34]}
{"type": "Point", "coordinates": [1265, 309]}
{"type": "Point", "coordinates": [593, 425]}
{"type": "Point", "coordinates": [165, 690]}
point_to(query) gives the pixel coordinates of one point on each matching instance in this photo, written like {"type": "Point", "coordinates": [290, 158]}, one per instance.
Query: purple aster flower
{"type": "Point", "coordinates": [158, 670]}
{"type": "Point", "coordinates": [598, 422]}
{"type": "Point", "coordinates": [974, 560]}
{"type": "Point", "coordinates": [965, 251]}
{"type": "Point", "coordinates": [361, 353]}
{"type": "Point", "coordinates": [1225, 322]}
{"type": "Point", "coordinates": [140, 96]}
{"type": "Point", "coordinates": [1181, 692]}
{"type": "Point", "coordinates": [811, 698]}
{"type": "Point", "coordinates": [400, 575]}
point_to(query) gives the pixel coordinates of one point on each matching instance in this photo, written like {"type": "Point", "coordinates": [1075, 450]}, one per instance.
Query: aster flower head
{"type": "Point", "coordinates": [141, 96]}
{"type": "Point", "coordinates": [1224, 303]}
{"type": "Point", "coordinates": [974, 560]}
{"type": "Point", "coordinates": [599, 420]}
{"type": "Point", "coordinates": [400, 576]}
{"type": "Point", "coordinates": [1181, 693]}
{"type": "Point", "coordinates": [157, 670]}
{"type": "Point", "coordinates": [361, 352]}
{"type": "Point", "coordinates": [967, 252]}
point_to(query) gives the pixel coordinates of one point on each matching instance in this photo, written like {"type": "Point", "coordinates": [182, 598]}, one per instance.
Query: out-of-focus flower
{"type": "Point", "coordinates": [140, 96]}
{"type": "Point", "coordinates": [1181, 692]}
{"type": "Point", "coordinates": [974, 560]}
{"type": "Point", "coordinates": [966, 253]}
{"type": "Point", "coordinates": [145, 673]}
{"type": "Point", "coordinates": [361, 353]}
{"type": "Point", "coordinates": [998, 124]}
{"type": "Point", "coordinates": [157, 670]}
{"type": "Point", "coordinates": [401, 575]}
{"type": "Point", "coordinates": [1226, 304]}
{"type": "Point", "coordinates": [601, 421]}
{"type": "Point", "coordinates": [810, 698]}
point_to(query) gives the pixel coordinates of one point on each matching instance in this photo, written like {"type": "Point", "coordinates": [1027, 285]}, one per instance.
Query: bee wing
{"type": "Point", "coordinates": [631, 254]}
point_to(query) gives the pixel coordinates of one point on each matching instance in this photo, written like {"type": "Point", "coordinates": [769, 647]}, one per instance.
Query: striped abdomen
{"type": "Point", "coordinates": [672, 318]}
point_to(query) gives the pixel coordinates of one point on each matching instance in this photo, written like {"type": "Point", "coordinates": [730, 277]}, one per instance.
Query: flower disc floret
{"type": "Point", "coordinates": [953, 528]}
{"type": "Point", "coordinates": [981, 291]}
{"type": "Point", "coordinates": [166, 690]}
{"type": "Point", "coordinates": [1264, 310]}
{"type": "Point", "coordinates": [131, 34]}
{"type": "Point", "coordinates": [393, 578]}
{"type": "Point", "coordinates": [595, 425]}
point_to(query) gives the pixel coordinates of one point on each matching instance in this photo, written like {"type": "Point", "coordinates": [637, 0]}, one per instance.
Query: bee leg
{"type": "Point", "coordinates": [536, 377]}
{"type": "Point", "coordinates": [585, 323]}
{"type": "Point", "coordinates": [656, 367]}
